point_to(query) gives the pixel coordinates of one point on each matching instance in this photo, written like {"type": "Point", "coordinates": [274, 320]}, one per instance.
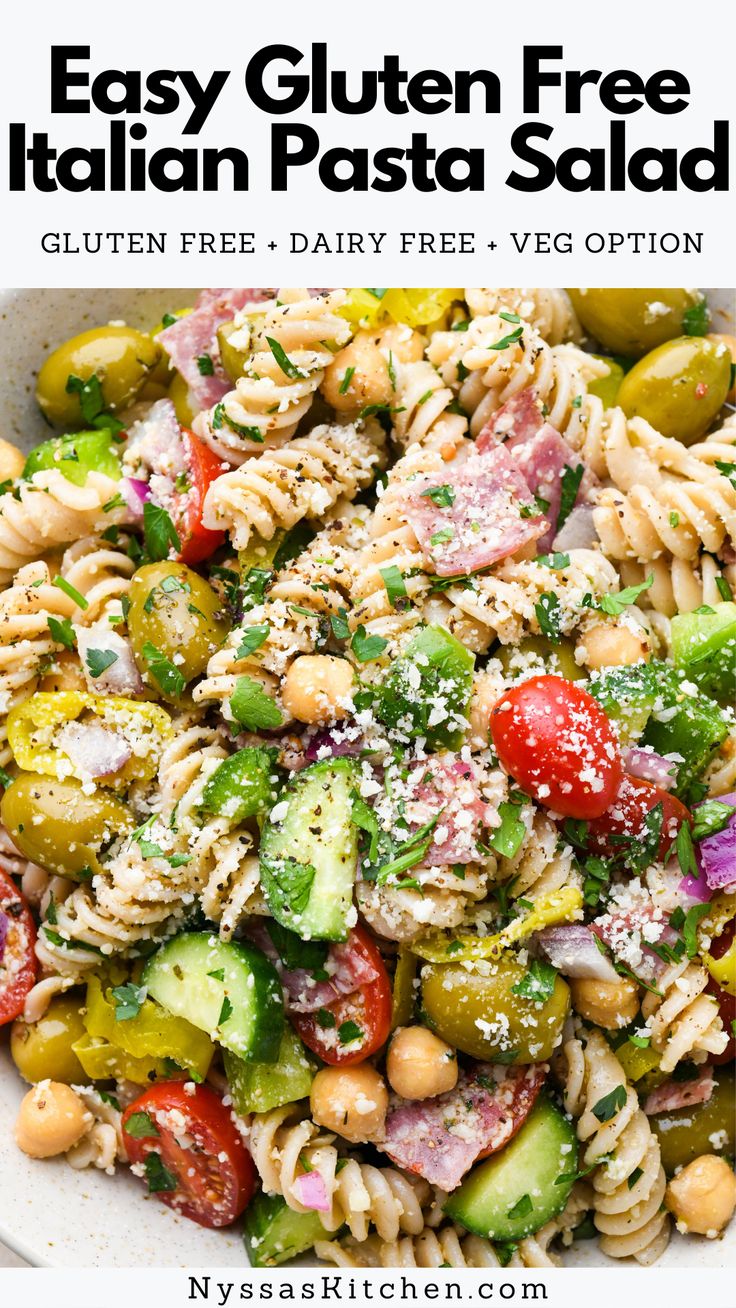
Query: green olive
{"type": "Point", "coordinates": [680, 387]}
{"type": "Point", "coordinates": [234, 358]}
{"type": "Point", "coordinates": [607, 388]}
{"type": "Point", "coordinates": [686, 1133]}
{"type": "Point", "coordinates": [180, 396]}
{"type": "Point", "coordinates": [121, 357]}
{"type": "Point", "coordinates": [55, 824]}
{"type": "Point", "coordinates": [177, 612]}
{"type": "Point", "coordinates": [43, 1049]}
{"type": "Point", "coordinates": [633, 321]}
{"type": "Point", "coordinates": [478, 1012]}
{"type": "Point", "coordinates": [539, 653]}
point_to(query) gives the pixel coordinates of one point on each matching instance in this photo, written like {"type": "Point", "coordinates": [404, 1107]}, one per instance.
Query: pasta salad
{"type": "Point", "coordinates": [368, 764]}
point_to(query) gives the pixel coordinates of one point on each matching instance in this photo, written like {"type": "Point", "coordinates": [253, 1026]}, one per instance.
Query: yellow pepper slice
{"type": "Point", "coordinates": [415, 307]}
{"type": "Point", "coordinates": [33, 732]}
{"type": "Point", "coordinates": [723, 970]}
{"type": "Point", "coordinates": [152, 1034]}
{"type": "Point", "coordinates": [402, 999]}
{"type": "Point", "coordinates": [563, 905]}
{"type": "Point", "coordinates": [105, 1062]}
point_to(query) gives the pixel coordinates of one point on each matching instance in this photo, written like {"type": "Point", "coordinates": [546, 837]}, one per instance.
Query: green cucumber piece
{"type": "Point", "coordinates": [704, 646]}
{"type": "Point", "coordinates": [691, 725]}
{"type": "Point", "coordinates": [273, 1233]}
{"type": "Point", "coordinates": [434, 668]}
{"type": "Point", "coordinates": [309, 856]}
{"type": "Point", "coordinates": [627, 696]}
{"type": "Point", "coordinates": [515, 1192]}
{"type": "Point", "coordinates": [258, 1087]}
{"type": "Point", "coordinates": [244, 785]}
{"type": "Point", "coordinates": [226, 988]}
{"type": "Point", "coordinates": [75, 456]}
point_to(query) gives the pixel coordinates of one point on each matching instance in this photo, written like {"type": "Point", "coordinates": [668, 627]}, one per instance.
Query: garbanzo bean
{"type": "Point", "coordinates": [51, 1119]}
{"type": "Point", "coordinates": [368, 382]}
{"type": "Point", "coordinates": [702, 1197]}
{"type": "Point", "coordinates": [610, 1004]}
{"type": "Point", "coordinates": [65, 673]}
{"type": "Point", "coordinates": [405, 345]}
{"type": "Point", "coordinates": [12, 461]}
{"type": "Point", "coordinates": [317, 688]}
{"type": "Point", "coordinates": [608, 646]}
{"type": "Point", "coordinates": [420, 1065]}
{"type": "Point", "coordinates": [352, 1101]}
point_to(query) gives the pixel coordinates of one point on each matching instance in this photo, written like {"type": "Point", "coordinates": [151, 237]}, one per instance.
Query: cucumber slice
{"type": "Point", "coordinates": [515, 1192]}
{"type": "Point", "coordinates": [309, 856]}
{"type": "Point", "coordinates": [273, 1233]}
{"type": "Point", "coordinates": [434, 669]}
{"type": "Point", "coordinates": [258, 1087]}
{"type": "Point", "coordinates": [228, 989]}
{"type": "Point", "coordinates": [243, 786]}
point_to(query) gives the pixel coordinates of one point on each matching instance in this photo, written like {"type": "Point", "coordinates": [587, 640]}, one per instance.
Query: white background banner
{"type": "Point", "coordinates": [499, 234]}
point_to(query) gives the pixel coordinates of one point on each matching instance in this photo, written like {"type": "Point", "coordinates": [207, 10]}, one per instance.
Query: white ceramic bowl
{"type": "Point", "coordinates": [50, 1214]}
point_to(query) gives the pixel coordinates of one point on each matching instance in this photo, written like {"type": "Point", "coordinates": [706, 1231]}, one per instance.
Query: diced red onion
{"type": "Point", "coordinates": [696, 889]}
{"type": "Point", "coordinates": [572, 949]}
{"type": "Point", "coordinates": [647, 765]}
{"type": "Point", "coordinates": [136, 492]}
{"type": "Point", "coordinates": [717, 853]}
{"type": "Point", "coordinates": [4, 925]}
{"type": "Point", "coordinates": [312, 1192]}
{"type": "Point", "coordinates": [578, 531]}
{"type": "Point", "coordinates": [94, 749]}
{"type": "Point", "coordinates": [122, 676]}
{"type": "Point", "coordinates": [337, 748]}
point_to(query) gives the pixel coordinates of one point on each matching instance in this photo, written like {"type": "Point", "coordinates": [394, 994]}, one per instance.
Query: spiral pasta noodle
{"type": "Point", "coordinates": [721, 775]}
{"type": "Point", "coordinates": [426, 410]}
{"type": "Point", "coordinates": [548, 309]}
{"type": "Point", "coordinates": [360, 1195]}
{"type": "Point", "coordinates": [684, 1021]}
{"type": "Point", "coordinates": [101, 573]}
{"type": "Point", "coordinates": [26, 643]}
{"type": "Point", "coordinates": [542, 863]}
{"type": "Point", "coordinates": [620, 1147]}
{"type": "Point", "coordinates": [678, 585]}
{"type": "Point", "coordinates": [302, 480]}
{"type": "Point", "coordinates": [51, 511]}
{"type": "Point", "coordinates": [440, 903]}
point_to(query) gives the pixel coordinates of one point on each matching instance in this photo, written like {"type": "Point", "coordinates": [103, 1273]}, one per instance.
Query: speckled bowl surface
{"type": "Point", "coordinates": [50, 1214]}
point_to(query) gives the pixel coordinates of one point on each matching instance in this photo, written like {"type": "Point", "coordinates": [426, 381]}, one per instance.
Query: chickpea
{"type": "Point", "coordinates": [317, 687]}
{"type": "Point", "coordinates": [420, 1065]}
{"type": "Point", "coordinates": [369, 383]}
{"type": "Point", "coordinates": [608, 646]}
{"type": "Point", "coordinates": [12, 461]}
{"type": "Point", "coordinates": [702, 1197]}
{"type": "Point", "coordinates": [52, 1118]}
{"type": "Point", "coordinates": [609, 1004]}
{"type": "Point", "coordinates": [352, 1101]}
{"type": "Point", "coordinates": [65, 673]}
{"type": "Point", "coordinates": [405, 345]}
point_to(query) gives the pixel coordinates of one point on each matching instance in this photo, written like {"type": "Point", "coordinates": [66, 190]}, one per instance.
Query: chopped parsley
{"type": "Point", "coordinates": [345, 383]}
{"type": "Point", "coordinates": [158, 1176]}
{"type": "Point", "coordinates": [615, 604]}
{"type": "Point", "coordinates": [366, 647]}
{"type": "Point", "coordinates": [287, 365]}
{"type": "Point", "coordinates": [443, 496]}
{"type": "Point", "coordinates": [98, 660]}
{"type": "Point", "coordinates": [505, 341]}
{"type": "Point", "coordinates": [711, 817]}
{"type": "Point", "coordinates": [549, 616]}
{"type": "Point", "coordinates": [554, 561]}
{"type": "Point", "coordinates": [205, 365]}
{"type": "Point", "coordinates": [522, 1208]}
{"type": "Point", "coordinates": [348, 1032]}
{"type": "Point", "coordinates": [537, 983]}
{"type": "Point", "coordinates": [167, 676]}
{"type": "Point", "coordinates": [570, 485]}
{"type": "Point", "coordinates": [159, 532]}
{"type": "Point", "coordinates": [61, 631]}
{"type": "Point", "coordinates": [252, 639]}
{"type": "Point", "coordinates": [394, 582]}
{"type": "Point", "coordinates": [221, 418]}
{"type": "Point", "coordinates": [140, 1126]}
{"type": "Point", "coordinates": [128, 1001]}
{"type": "Point", "coordinates": [610, 1104]}
{"type": "Point", "coordinates": [252, 707]}
{"type": "Point", "coordinates": [225, 1012]}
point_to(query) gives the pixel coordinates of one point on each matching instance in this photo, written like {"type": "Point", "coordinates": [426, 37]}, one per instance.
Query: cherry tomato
{"type": "Point", "coordinates": [197, 541]}
{"type": "Point", "coordinates": [557, 742]}
{"type": "Point", "coordinates": [18, 964]}
{"type": "Point", "coordinates": [368, 1008]}
{"type": "Point", "coordinates": [193, 1155]}
{"type": "Point", "coordinates": [726, 1002]}
{"type": "Point", "coordinates": [635, 798]}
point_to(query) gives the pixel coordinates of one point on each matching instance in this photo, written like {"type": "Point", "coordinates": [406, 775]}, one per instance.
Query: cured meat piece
{"type": "Point", "coordinates": [673, 1095]}
{"type": "Point", "coordinates": [481, 513]}
{"type": "Point", "coordinates": [520, 418]}
{"type": "Point", "coordinates": [347, 971]}
{"type": "Point", "coordinates": [446, 783]}
{"type": "Point", "coordinates": [193, 336]}
{"type": "Point", "coordinates": [543, 459]}
{"type": "Point", "coordinates": [441, 1138]}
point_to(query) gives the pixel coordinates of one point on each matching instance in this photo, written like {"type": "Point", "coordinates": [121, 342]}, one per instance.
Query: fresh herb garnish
{"type": "Point", "coordinates": [537, 983]}
{"type": "Point", "coordinates": [205, 365]}
{"type": "Point", "coordinates": [159, 532]}
{"type": "Point", "coordinates": [62, 631]}
{"type": "Point", "coordinates": [158, 1176]}
{"type": "Point", "coordinates": [69, 590]}
{"type": "Point", "coordinates": [287, 365]}
{"type": "Point", "coordinates": [98, 660]}
{"type": "Point", "coordinates": [549, 616]}
{"type": "Point", "coordinates": [711, 817]}
{"type": "Point", "coordinates": [570, 485]}
{"type": "Point", "coordinates": [366, 647]}
{"type": "Point", "coordinates": [128, 1001]}
{"type": "Point", "coordinates": [345, 383]}
{"type": "Point", "coordinates": [167, 676]}
{"type": "Point", "coordinates": [252, 708]}
{"type": "Point", "coordinates": [443, 496]}
{"type": "Point", "coordinates": [394, 583]}
{"type": "Point", "coordinates": [348, 1032]}
{"type": "Point", "coordinates": [522, 1208]}
{"type": "Point", "coordinates": [610, 1104]}
{"type": "Point", "coordinates": [140, 1126]}
{"type": "Point", "coordinates": [252, 639]}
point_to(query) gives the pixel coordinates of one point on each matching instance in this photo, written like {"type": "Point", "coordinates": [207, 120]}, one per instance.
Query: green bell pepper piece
{"type": "Point", "coordinates": [258, 1087]}
{"type": "Point", "coordinates": [627, 696]}
{"type": "Point", "coordinates": [691, 725]}
{"type": "Point", "coordinates": [704, 645]}
{"type": "Point", "coordinates": [76, 455]}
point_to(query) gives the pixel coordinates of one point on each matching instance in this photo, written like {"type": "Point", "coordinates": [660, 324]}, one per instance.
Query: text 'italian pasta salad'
{"type": "Point", "coordinates": [368, 762]}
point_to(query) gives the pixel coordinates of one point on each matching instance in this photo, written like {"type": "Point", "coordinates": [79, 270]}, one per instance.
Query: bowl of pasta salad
{"type": "Point", "coordinates": [368, 777]}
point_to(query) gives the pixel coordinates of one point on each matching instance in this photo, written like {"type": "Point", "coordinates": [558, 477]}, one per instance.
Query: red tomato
{"type": "Point", "coordinates": [369, 1008]}
{"type": "Point", "coordinates": [197, 541]}
{"type": "Point", "coordinates": [557, 742]}
{"type": "Point", "coordinates": [626, 816]}
{"type": "Point", "coordinates": [18, 964]}
{"type": "Point", "coordinates": [726, 1002]}
{"type": "Point", "coordinates": [210, 1177]}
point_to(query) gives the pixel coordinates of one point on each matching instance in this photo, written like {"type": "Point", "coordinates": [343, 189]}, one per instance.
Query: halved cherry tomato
{"type": "Point", "coordinates": [607, 835]}
{"type": "Point", "coordinates": [557, 742]}
{"type": "Point", "coordinates": [368, 1010]}
{"type": "Point", "coordinates": [18, 964]}
{"type": "Point", "coordinates": [726, 1002]}
{"type": "Point", "coordinates": [197, 541]}
{"type": "Point", "coordinates": [193, 1155]}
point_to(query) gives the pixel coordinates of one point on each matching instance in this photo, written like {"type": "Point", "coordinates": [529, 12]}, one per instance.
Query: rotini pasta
{"type": "Point", "coordinates": [684, 1022]}
{"type": "Point", "coordinates": [51, 511]}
